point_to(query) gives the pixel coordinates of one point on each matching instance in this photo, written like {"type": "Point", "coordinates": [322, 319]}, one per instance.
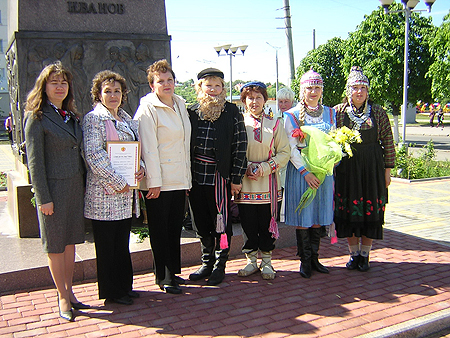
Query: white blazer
{"type": "Point", "coordinates": [165, 138]}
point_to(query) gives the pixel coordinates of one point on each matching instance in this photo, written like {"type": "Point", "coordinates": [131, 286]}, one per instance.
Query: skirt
{"type": "Point", "coordinates": [66, 225]}
{"type": "Point", "coordinates": [320, 211]}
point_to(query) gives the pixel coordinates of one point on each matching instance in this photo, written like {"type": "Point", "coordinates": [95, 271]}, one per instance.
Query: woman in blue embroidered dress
{"type": "Point", "coordinates": [267, 152]}
{"type": "Point", "coordinates": [310, 221]}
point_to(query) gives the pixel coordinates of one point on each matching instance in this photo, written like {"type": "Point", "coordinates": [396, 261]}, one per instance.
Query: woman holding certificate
{"type": "Point", "coordinates": [166, 131]}
{"type": "Point", "coordinates": [108, 199]}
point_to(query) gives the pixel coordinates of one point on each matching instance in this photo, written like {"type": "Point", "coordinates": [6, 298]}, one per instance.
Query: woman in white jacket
{"type": "Point", "coordinates": [165, 133]}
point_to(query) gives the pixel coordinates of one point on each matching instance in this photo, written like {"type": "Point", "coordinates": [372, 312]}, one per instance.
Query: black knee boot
{"type": "Point", "coordinates": [304, 251]}
{"type": "Point", "coordinates": [315, 235]}
{"type": "Point", "coordinates": [218, 272]}
{"type": "Point", "coordinates": [207, 245]}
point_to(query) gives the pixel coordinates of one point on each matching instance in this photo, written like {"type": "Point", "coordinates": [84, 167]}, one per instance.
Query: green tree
{"type": "Point", "coordinates": [377, 46]}
{"type": "Point", "coordinates": [187, 91]}
{"type": "Point", "coordinates": [439, 71]}
{"type": "Point", "coordinates": [271, 90]}
{"type": "Point", "coordinates": [326, 60]}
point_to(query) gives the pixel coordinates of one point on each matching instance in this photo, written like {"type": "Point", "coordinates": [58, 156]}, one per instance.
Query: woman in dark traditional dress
{"type": "Point", "coordinates": [361, 181]}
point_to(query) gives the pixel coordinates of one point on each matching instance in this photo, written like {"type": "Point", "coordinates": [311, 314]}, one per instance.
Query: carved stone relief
{"type": "Point", "coordinates": [85, 58]}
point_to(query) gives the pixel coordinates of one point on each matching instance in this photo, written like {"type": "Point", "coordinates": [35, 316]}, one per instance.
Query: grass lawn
{"type": "Point", "coordinates": [424, 119]}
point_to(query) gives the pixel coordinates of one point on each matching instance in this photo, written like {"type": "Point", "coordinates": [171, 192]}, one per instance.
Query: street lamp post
{"type": "Point", "coordinates": [276, 68]}
{"type": "Point", "coordinates": [408, 7]}
{"type": "Point", "coordinates": [231, 51]}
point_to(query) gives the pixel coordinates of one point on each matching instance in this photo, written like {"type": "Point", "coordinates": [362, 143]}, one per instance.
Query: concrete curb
{"type": "Point", "coordinates": [404, 180]}
{"type": "Point", "coordinates": [420, 327]}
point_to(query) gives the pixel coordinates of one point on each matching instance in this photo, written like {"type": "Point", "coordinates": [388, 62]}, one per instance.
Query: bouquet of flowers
{"type": "Point", "coordinates": [320, 156]}
{"type": "Point", "coordinates": [345, 136]}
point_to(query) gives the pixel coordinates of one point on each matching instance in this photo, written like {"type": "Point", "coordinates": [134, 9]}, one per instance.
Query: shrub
{"type": "Point", "coordinates": [3, 177]}
{"type": "Point", "coordinates": [425, 166]}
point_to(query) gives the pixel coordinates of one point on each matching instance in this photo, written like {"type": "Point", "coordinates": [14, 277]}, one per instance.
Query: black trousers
{"type": "Point", "coordinates": [114, 268]}
{"type": "Point", "coordinates": [255, 221]}
{"type": "Point", "coordinates": [165, 216]}
{"type": "Point", "coordinates": [203, 203]}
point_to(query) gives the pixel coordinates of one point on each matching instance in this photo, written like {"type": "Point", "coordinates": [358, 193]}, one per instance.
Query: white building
{"type": "Point", "coordinates": [4, 94]}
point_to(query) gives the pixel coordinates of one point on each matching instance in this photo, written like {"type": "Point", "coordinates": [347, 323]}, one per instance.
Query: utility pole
{"type": "Point", "coordinates": [314, 39]}
{"type": "Point", "coordinates": [288, 28]}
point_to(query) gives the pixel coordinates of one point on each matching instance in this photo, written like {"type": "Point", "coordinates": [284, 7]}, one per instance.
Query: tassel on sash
{"type": "Point", "coordinates": [222, 209]}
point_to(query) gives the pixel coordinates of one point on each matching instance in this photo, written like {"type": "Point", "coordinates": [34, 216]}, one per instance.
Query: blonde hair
{"type": "Point", "coordinates": [37, 97]}
{"type": "Point", "coordinates": [198, 85]}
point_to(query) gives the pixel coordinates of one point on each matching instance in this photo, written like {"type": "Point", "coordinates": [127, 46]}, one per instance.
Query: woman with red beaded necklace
{"type": "Point", "coordinates": [267, 152]}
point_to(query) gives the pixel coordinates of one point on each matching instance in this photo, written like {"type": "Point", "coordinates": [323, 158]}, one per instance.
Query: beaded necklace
{"type": "Point", "coordinates": [313, 115]}
{"type": "Point", "coordinates": [358, 118]}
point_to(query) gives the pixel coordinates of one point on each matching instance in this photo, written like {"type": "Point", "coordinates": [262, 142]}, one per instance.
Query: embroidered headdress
{"type": "Point", "coordinates": [355, 78]}
{"type": "Point", "coordinates": [309, 79]}
{"type": "Point", "coordinates": [358, 117]}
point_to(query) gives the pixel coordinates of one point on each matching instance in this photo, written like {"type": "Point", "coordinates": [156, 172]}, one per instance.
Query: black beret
{"type": "Point", "coordinates": [210, 72]}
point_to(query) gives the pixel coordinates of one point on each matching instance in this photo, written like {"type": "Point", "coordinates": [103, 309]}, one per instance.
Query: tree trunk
{"type": "Point", "coordinates": [395, 113]}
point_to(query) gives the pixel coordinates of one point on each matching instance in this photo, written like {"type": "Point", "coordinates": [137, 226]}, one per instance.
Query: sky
{"type": "Point", "coordinates": [197, 26]}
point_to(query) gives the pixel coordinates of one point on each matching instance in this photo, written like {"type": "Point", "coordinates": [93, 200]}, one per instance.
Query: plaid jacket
{"type": "Point", "coordinates": [383, 128]}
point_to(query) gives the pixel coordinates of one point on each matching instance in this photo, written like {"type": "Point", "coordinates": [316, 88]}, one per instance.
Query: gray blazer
{"type": "Point", "coordinates": [53, 151]}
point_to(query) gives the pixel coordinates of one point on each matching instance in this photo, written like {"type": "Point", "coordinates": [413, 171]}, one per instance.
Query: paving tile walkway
{"type": "Point", "coordinates": [409, 279]}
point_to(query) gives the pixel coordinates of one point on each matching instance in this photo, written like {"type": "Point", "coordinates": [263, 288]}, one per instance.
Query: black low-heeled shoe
{"type": "Point", "coordinates": [352, 264]}
{"type": "Point", "coordinates": [80, 306]}
{"type": "Point", "coordinates": [363, 264]}
{"type": "Point", "coordinates": [133, 294]}
{"type": "Point", "coordinates": [125, 300]}
{"type": "Point", "coordinates": [174, 289]}
{"type": "Point", "coordinates": [179, 280]}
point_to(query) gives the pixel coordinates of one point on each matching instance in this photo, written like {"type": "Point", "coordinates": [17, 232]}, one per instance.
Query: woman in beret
{"type": "Point", "coordinates": [267, 152]}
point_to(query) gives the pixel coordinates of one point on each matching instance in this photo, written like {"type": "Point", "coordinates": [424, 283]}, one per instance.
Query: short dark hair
{"type": "Point", "coordinates": [247, 90]}
{"type": "Point", "coordinates": [107, 76]}
{"type": "Point", "coordinates": [161, 66]}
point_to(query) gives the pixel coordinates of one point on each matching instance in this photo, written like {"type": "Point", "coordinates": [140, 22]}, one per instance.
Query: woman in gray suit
{"type": "Point", "coordinates": [54, 139]}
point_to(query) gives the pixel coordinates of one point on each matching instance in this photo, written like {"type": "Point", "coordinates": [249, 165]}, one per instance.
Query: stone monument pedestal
{"type": "Point", "coordinates": [22, 212]}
